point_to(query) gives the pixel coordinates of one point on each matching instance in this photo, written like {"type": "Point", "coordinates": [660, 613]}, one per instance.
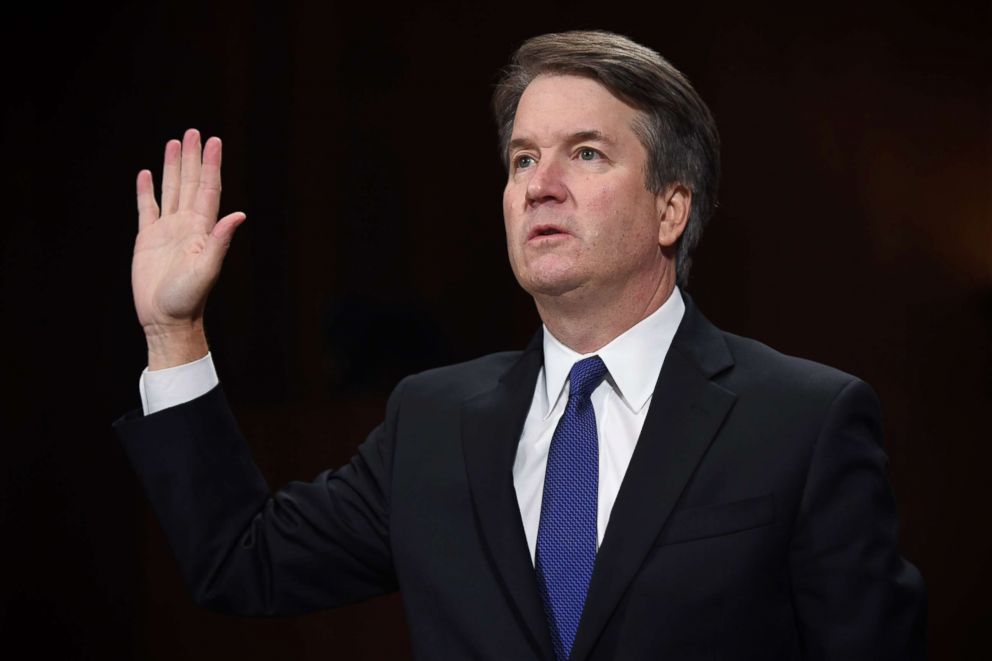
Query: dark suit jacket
{"type": "Point", "coordinates": [755, 520]}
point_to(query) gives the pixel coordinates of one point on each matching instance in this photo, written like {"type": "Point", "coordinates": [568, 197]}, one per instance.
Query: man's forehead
{"type": "Point", "coordinates": [562, 107]}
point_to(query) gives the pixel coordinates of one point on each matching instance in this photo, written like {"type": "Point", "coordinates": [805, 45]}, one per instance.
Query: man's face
{"type": "Point", "coordinates": [579, 220]}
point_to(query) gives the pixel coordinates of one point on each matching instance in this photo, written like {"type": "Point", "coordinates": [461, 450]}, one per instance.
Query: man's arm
{"type": "Point", "coordinates": [855, 596]}
{"type": "Point", "coordinates": [311, 546]}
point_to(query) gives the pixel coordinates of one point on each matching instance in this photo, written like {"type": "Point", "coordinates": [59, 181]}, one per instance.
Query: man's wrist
{"type": "Point", "coordinates": [175, 346]}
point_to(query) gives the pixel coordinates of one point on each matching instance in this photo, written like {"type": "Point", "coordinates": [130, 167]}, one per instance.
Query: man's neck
{"type": "Point", "coordinates": [586, 324]}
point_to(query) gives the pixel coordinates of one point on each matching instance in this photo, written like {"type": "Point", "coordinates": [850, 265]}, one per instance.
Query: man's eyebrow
{"type": "Point", "coordinates": [591, 135]}
{"type": "Point", "coordinates": [517, 143]}
{"type": "Point", "coordinates": [587, 135]}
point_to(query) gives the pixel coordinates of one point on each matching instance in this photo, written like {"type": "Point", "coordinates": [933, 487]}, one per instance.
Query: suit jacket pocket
{"type": "Point", "coordinates": [722, 519]}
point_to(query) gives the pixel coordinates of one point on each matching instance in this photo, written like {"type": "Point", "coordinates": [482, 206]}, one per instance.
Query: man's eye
{"type": "Point", "coordinates": [588, 154]}
{"type": "Point", "coordinates": [524, 161]}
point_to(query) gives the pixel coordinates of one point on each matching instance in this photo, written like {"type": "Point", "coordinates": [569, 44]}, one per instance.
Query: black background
{"type": "Point", "coordinates": [855, 229]}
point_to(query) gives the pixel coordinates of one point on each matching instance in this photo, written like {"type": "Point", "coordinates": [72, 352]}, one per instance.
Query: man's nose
{"type": "Point", "coordinates": [546, 183]}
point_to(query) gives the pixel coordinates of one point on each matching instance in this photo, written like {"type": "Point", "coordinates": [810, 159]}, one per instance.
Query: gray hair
{"type": "Point", "coordinates": [676, 128]}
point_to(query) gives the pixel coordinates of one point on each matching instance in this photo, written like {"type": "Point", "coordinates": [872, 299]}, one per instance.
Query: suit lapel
{"type": "Point", "coordinates": [685, 413]}
{"type": "Point", "coordinates": [491, 426]}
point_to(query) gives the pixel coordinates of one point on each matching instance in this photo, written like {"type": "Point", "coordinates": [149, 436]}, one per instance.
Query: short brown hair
{"type": "Point", "coordinates": [677, 129]}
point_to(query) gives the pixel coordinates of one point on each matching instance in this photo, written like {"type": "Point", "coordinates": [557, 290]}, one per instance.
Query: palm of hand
{"type": "Point", "coordinates": [170, 269]}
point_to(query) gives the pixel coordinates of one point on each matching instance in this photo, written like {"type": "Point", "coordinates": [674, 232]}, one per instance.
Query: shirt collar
{"type": "Point", "coordinates": [633, 358]}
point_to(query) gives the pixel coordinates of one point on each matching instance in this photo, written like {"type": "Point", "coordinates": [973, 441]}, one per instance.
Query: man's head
{"type": "Point", "coordinates": [671, 121]}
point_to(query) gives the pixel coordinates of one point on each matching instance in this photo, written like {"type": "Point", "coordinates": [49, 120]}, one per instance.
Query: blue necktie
{"type": "Point", "coordinates": [566, 535]}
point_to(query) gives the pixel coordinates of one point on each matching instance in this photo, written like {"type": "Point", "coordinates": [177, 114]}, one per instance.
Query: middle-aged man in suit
{"type": "Point", "coordinates": [635, 484]}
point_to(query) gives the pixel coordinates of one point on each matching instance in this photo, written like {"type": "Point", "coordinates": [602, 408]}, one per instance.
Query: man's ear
{"type": "Point", "coordinates": [673, 206]}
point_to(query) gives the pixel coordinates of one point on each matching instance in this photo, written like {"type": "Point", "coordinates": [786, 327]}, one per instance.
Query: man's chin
{"type": "Point", "coordinates": [548, 276]}
{"type": "Point", "coordinates": [551, 287]}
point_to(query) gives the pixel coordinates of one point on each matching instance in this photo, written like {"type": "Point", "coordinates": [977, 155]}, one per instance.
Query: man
{"type": "Point", "coordinates": [636, 484]}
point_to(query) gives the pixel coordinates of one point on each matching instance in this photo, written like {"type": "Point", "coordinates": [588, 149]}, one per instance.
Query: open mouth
{"type": "Point", "coordinates": [545, 230]}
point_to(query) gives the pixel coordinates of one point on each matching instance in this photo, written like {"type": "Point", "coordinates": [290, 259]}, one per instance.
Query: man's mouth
{"type": "Point", "coordinates": [540, 231]}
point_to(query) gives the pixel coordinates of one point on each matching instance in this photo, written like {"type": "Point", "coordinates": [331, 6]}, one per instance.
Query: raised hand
{"type": "Point", "coordinates": [179, 249]}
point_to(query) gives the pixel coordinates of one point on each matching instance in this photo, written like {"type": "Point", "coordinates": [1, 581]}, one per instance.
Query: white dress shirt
{"type": "Point", "coordinates": [633, 360]}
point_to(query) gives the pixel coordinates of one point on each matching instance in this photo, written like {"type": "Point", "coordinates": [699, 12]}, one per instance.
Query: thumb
{"type": "Point", "coordinates": [222, 233]}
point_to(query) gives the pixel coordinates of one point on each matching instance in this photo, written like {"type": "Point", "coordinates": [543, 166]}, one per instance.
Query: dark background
{"type": "Point", "coordinates": [855, 229]}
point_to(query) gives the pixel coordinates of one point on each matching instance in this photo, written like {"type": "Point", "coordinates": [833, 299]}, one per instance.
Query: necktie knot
{"type": "Point", "coordinates": [585, 376]}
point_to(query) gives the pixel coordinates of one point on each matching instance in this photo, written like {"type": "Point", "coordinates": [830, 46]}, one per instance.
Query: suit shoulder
{"type": "Point", "coordinates": [758, 364]}
{"type": "Point", "coordinates": [466, 378]}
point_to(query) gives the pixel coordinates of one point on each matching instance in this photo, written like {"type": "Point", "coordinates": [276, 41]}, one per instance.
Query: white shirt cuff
{"type": "Point", "coordinates": [161, 389]}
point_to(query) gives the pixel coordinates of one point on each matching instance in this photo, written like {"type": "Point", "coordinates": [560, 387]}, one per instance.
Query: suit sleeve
{"type": "Point", "coordinates": [855, 596]}
{"type": "Point", "coordinates": [244, 551]}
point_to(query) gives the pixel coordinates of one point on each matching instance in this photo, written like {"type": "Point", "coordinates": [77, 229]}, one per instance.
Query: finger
{"type": "Point", "coordinates": [147, 209]}
{"type": "Point", "coordinates": [170, 178]}
{"type": "Point", "coordinates": [207, 201]}
{"type": "Point", "coordinates": [189, 178]}
{"type": "Point", "coordinates": [222, 233]}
